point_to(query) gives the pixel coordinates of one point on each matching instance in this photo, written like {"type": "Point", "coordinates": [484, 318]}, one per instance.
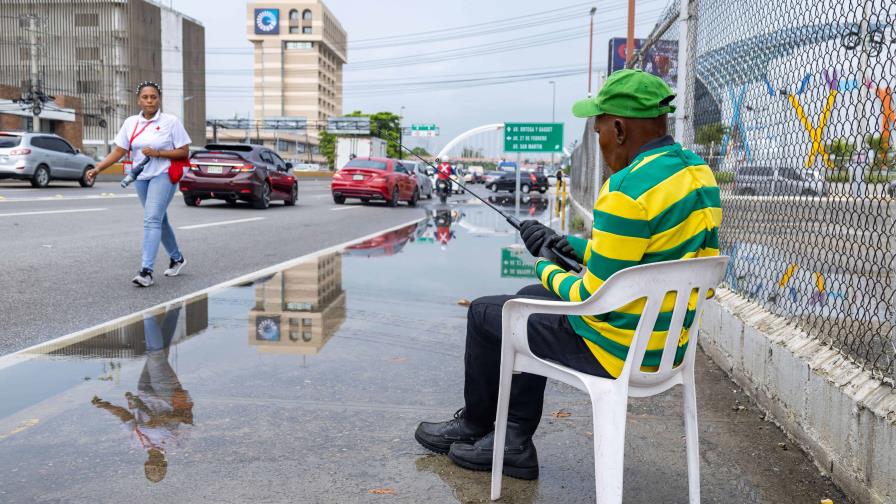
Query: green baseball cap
{"type": "Point", "coordinates": [629, 93]}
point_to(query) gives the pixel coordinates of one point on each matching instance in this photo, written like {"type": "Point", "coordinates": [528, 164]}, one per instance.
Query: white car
{"type": "Point", "coordinates": [421, 171]}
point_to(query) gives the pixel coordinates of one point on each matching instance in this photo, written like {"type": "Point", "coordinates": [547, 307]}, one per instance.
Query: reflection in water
{"type": "Point", "coordinates": [385, 244]}
{"type": "Point", "coordinates": [156, 416]}
{"type": "Point", "coordinates": [298, 309]}
{"type": "Point", "coordinates": [530, 204]}
{"type": "Point", "coordinates": [472, 486]}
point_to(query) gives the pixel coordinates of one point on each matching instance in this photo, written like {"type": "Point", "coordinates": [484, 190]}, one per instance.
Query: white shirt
{"type": "Point", "coordinates": [162, 132]}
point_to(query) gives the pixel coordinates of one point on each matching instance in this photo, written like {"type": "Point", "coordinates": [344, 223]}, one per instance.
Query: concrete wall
{"type": "Point", "coordinates": [172, 63]}
{"type": "Point", "coordinates": [145, 46]}
{"type": "Point", "coordinates": [841, 415]}
{"type": "Point", "coordinates": [194, 81]}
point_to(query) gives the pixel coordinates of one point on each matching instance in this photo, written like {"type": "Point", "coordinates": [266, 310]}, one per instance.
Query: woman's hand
{"type": "Point", "coordinates": [91, 174]}
{"type": "Point", "coordinates": [150, 152]}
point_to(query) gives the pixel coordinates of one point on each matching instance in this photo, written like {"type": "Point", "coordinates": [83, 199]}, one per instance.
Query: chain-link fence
{"type": "Point", "coordinates": [583, 179]}
{"type": "Point", "coordinates": [793, 109]}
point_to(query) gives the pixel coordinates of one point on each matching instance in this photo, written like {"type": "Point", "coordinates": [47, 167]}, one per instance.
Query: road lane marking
{"type": "Point", "coordinates": [346, 208]}
{"type": "Point", "coordinates": [38, 349]}
{"type": "Point", "coordinates": [75, 198]}
{"type": "Point", "coordinates": [46, 212]}
{"type": "Point", "coordinates": [31, 422]}
{"type": "Point", "coordinates": [221, 223]}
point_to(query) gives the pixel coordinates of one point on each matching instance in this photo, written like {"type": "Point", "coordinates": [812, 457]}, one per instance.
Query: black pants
{"type": "Point", "coordinates": [550, 337]}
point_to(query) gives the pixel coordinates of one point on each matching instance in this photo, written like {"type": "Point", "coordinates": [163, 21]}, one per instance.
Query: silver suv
{"type": "Point", "coordinates": [40, 158]}
{"type": "Point", "coordinates": [771, 181]}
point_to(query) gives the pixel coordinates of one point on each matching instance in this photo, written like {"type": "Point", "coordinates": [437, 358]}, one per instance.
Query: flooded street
{"type": "Point", "coordinates": [306, 385]}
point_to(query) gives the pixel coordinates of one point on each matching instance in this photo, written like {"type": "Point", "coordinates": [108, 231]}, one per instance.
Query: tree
{"type": "Point", "coordinates": [710, 134]}
{"type": "Point", "coordinates": [384, 125]}
{"type": "Point", "coordinates": [327, 144]}
{"type": "Point", "coordinates": [420, 151]}
{"type": "Point", "coordinates": [882, 156]}
{"type": "Point", "coordinates": [841, 149]}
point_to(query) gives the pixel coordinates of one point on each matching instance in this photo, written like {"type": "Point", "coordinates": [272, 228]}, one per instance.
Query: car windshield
{"type": "Point", "coordinates": [7, 141]}
{"type": "Point", "coordinates": [366, 163]}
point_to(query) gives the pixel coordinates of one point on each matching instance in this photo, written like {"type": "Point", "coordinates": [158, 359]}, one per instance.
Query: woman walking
{"type": "Point", "coordinates": [162, 138]}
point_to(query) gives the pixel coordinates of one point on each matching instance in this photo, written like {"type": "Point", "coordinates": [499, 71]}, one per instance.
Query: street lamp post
{"type": "Point", "coordinates": [400, 131]}
{"type": "Point", "coordinates": [553, 110]}
{"type": "Point", "coordinates": [590, 45]}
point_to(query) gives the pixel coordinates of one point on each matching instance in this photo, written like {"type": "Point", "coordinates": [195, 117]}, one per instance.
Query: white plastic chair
{"type": "Point", "coordinates": [609, 398]}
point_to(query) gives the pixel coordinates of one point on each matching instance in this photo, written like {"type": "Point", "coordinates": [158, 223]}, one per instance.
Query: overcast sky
{"type": "Point", "coordinates": [229, 59]}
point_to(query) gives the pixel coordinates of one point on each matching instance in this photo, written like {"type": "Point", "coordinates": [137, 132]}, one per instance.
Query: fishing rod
{"type": "Point", "coordinates": [513, 221]}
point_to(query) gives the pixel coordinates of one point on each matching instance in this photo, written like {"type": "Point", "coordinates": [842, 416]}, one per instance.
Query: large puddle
{"type": "Point", "coordinates": [306, 386]}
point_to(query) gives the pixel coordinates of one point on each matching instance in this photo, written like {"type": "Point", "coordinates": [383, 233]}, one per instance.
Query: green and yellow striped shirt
{"type": "Point", "coordinates": [663, 206]}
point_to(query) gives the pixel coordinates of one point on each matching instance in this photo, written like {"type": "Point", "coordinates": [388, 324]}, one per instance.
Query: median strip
{"type": "Point", "coordinates": [47, 212]}
{"type": "Point", "coordinates": [222, 223]}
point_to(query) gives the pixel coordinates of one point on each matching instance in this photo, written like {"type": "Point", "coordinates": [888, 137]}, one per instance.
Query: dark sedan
{"type": "Point", "coordinates": [529, 181]}
{"type": "Point", "coordinates": [238, 172]}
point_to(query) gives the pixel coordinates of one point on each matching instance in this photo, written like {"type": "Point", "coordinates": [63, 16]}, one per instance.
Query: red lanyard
{"type": "Point", "coordinates": [135, 134]}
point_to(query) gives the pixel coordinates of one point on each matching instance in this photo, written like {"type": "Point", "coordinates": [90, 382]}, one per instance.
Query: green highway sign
{"type": "Point", "coordinates": [424, 130]}
{"type": "Point", "coordinates": [533, 137]}
{"type": "Point", "coordinates": [516, 263]}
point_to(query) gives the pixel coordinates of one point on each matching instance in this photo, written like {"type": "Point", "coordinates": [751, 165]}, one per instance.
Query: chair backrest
{"type": "Point", "coordinates": [652, 282]}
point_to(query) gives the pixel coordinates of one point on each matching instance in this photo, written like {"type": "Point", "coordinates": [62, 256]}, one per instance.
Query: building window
{"type": "Point", "coordinates": [294, 15]}
{"type": "Point", "coordinates": [87, 19]}
{"type": "Point", "coordinates": [294, 29]}
{"type": "Point", "coordinates": [88, 87]}
{"type": "Point", "coordinates": [88, 53]}
{"type": "Point", "coordinates": [306, 15]}
{"type": "Point", "coordinates": [292, 44]}
{"type": "Point", "coordinates": [306, 29]}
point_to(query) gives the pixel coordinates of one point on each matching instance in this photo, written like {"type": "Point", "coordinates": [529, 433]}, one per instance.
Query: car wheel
{"type": "Point", "coordinates": [809, 192]}
{"type": "Point", "coordinates": [84, 180]}
{"type": "Point", "coordinates": [293, 196]}
{"type": "Point", "coordinates": [490, 187]}
{"type": "Point", "coordinates": [414, 197]}
{"type": "Point", "coordinates": [41, 177]}
{"type": "Point", "coordinates": [543, 190]}
{"type": "Point", "coordinates": [265, 200]}
{"type": "Point", "coordinates": [338, 199]}
{"type": "Point", "coordinates": [191, 200]}
{"type": "Point", "coordinates": [394, 200]}
{"type": "Point", "coordinates": [232, 202]}
{"type": "Point", "coordinates": [525, 188]}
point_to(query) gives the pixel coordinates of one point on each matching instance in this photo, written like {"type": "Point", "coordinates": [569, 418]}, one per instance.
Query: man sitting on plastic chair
{"type": "Point", "coordinates": [661, 204]}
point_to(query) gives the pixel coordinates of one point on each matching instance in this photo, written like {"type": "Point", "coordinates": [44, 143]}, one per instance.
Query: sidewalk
{"type": "Point", "coordinates": [307, 385]}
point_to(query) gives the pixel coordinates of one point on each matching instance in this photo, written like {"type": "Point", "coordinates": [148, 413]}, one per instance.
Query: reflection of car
{"type": "Point", "coordinates": [234, 172]}
{"type": "Point", "coordinates": [529, 181]}
{"type": "Point", "coordinates": [531, 203]}
{"type": "Point", "coordinates": [768, 180]}
{"type": "Point", "coordinates": [40, 158]}
{"type": "Point", "coordinates": [372, 178]}
{"type": "Point", "coordinates": [385, 244]}
{"type": "Point", "coordinates": [421, 171]}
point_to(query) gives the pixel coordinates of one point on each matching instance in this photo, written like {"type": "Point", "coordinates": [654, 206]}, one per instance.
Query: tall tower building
{"type": "Point", "coordinates": [299, 49]}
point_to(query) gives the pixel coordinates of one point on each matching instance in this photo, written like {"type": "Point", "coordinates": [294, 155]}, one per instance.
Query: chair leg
{"type": "Point", "coordinates": [609, 414]}
{"type": "Point", "coordinates": [691, 440]}
{"type": "Point", "coordinates": [501, 423]}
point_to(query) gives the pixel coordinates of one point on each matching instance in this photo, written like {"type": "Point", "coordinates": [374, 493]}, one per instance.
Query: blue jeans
{"type": "Point", "coordinates": [155, 195]}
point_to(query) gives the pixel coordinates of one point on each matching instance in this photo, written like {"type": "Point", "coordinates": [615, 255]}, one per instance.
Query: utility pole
{"type": "Point", "coordinates": [630, 42]}
{"type": "Point", "coordinates": [35, 91]}
{"type": "Point", "coordinates": [590, 45]}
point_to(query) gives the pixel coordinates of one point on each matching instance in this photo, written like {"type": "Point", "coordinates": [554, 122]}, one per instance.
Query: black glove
{"type": "Point", "coordinates": [534, 235]}
{"type": "Point", "coordinates": [562, 245]}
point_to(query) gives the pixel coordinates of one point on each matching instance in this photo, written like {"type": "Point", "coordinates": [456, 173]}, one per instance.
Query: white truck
{"type": "Point", "coordinates": [348, 147]}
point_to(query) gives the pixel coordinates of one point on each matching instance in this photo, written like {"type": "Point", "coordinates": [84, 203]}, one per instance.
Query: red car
{"type": "Point", "coordinates": [375, 179]}
{"type": "Point", "coordinates": [234, 172]}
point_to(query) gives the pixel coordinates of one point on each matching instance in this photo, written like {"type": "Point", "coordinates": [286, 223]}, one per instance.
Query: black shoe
{"type": "Point", "coordinates": [144, 278]}
{"type": "Point", "coordinates": [439, 436]}
{"type": "Point", "coordinates": [520, 457]}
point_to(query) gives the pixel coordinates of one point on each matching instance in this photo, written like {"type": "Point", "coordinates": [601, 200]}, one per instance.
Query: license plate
{"type": "Point", "coordinates": [358, 177]}
{"type": "Point", "coordinates": [215, 169]}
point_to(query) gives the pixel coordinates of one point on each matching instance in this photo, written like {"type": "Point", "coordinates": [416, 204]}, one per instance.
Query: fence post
{"type": "Point", "coordinates": [687, 75]}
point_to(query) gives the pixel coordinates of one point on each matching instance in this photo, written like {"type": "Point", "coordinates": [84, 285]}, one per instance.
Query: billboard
{"type": "Point", "coordinates": [267, 21]}
{"type": "Point", "coordinates": [660, 59]}
{"type": "Point", "coordinates": [348, 125]}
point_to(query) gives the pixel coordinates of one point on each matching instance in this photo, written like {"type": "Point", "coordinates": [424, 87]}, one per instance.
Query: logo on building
{"type": "Point", "coordinates": [267, 21]}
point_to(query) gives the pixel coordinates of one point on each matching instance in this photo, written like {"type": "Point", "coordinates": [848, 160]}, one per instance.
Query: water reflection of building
{"type": "Point", "coordinates": [129, 341]}
{"type": "Point", "coordinates": [298, 309]}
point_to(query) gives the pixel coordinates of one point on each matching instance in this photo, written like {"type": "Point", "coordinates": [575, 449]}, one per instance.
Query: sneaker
{"type": "Point", "coordinates": [438, 437]}
{"type": "Point", "coordinates": [174, 267]}
{"type": "Point", "coordinates": [144, 278]}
